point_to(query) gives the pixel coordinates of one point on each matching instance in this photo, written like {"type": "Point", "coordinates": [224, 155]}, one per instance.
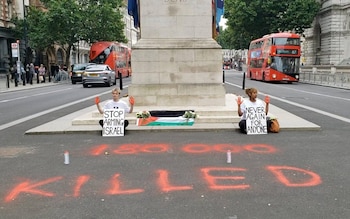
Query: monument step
{"type": "Point", "coordinates": [203, 112]}
{"type": "Point", "coordinates": [132, 120]}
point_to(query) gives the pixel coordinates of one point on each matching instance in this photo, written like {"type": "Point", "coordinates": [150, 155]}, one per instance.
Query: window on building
{"type": "Point", "coordinates": [59, 56]}
{"type": "Point", "coordinates": [74, 58]}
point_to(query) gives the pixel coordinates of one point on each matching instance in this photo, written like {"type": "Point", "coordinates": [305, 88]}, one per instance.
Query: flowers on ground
{"type": "Point", "coordinates": [143, 115]}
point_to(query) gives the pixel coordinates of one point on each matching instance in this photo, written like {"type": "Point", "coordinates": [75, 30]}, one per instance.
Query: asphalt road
{"type": "Point", "coordinates": [156, 175]}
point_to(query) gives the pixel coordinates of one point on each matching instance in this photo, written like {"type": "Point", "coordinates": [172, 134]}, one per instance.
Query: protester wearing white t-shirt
{"type": "Point", "coordinates": [252, 101]}
{"type": "Point", "coordinates": [116, 103]}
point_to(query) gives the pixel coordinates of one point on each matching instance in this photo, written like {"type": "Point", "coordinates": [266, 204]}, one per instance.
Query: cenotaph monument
{"type": "Point", "coordinates": [176, 61]}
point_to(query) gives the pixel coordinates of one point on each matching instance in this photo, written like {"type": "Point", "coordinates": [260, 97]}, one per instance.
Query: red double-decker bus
{"type": "Point", "coordinates": [114, 54]}
{"type": "Point", "coordinates": [274, 57]}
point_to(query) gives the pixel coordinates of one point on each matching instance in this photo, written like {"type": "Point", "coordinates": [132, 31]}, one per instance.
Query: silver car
{"type": "Point", "coordinates": [98, 74]}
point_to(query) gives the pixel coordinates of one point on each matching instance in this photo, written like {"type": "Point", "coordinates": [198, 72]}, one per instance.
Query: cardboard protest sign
{"type": "Point", "coordinates": [113, 122]}
{"type": "Point", "coordinates": [256, 120]}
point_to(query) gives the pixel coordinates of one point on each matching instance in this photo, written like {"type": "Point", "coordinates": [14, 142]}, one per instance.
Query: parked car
{"type": "Point", "coordinates": [99, 74]}
{"type": "Point", "coordinates": [78, 70]}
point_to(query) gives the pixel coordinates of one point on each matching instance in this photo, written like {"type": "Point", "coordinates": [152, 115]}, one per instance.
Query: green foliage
{"type": "Point", "coordinates": [251, 19]}
{"type": "Point", "coordinates": [65, 22]}
{"type": "Point", "coordinates": [104, 24]}
{"type": "Point", "coordinates": [224, 38]}
{"type": "Point", "coordinates": [19, 30]}
{"type": "Point", "coordinates": [39, 35]}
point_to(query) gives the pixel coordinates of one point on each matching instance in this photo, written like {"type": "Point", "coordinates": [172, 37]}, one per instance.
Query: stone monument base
{"type": "Point", "coordinates": [181, 72]}
{"type": "Point", "coordinates": [178, 95]}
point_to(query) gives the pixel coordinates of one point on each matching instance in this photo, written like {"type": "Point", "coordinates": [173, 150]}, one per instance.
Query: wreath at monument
{"type": "Point", "coordinates": [143, 115]}
{"type": "Point", "coordinates": [190, 115]}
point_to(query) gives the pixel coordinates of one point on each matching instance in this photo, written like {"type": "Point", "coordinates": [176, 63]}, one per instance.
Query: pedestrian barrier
{"type": "Point", "coordinates": [326, 78]}
{"type": "Point", "coordinates": [6, 84]}
{"type": "Point", "coordinates": [6, 81]}
{"type": "Point", "coordinates": [62, 77]}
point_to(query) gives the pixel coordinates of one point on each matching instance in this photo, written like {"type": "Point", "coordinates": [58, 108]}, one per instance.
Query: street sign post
{"type": "Point", "coordinates": [14, 47]}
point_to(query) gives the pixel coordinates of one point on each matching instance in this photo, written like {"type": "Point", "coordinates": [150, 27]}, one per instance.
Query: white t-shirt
{"type": "Point", "coordinates": [111, 104]}
{"type": "Point", "coordinates": [247, 103]}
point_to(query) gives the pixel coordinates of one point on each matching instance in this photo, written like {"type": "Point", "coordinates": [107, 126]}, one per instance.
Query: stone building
{"type": "Point", "coordinates": [328, 41]}
{"type": "Point", "coordinates": [18, 8]}
{"type": "Point", "coordinates": [8, 10]}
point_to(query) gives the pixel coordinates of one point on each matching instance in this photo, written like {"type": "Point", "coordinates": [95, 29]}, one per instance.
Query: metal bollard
{"type": "Point", "coordinates": [120, 81]}
{"type": "Point", "coordinates": [223, 76]}
{"type": "Point", "coordinates": [8, 80]}
{"type": "Point", "coordinates": [243, 83]}
{"type": "Point", "coordinates": [16, 79]}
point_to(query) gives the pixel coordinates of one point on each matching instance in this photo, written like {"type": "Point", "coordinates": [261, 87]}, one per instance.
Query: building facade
{"type": "Point", "coordinates": [328, 41]}
{"type": "Point", "coordinates": [51, 57]}
{"type": "Point", "coordinates": [8, 10]}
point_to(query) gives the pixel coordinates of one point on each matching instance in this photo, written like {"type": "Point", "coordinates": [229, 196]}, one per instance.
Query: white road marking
{"type": "Point", "coordinates": [18, 121]}
{"type": "Point", "coordinates": [40, 94]}
{"type": "Point", "coordinates": [318, 94]}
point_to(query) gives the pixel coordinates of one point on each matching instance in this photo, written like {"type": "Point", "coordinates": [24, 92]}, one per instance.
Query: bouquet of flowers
{"type": "Point", "coordinates": [143, 115]}
{"type": "Point", "coordinates": [189, 115]}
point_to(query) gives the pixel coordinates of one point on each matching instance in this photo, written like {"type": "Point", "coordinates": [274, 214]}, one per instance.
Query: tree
{"type": "Point", "coordinates": [39, 36]}
{"type": "Point", "coordinates": [252, 19]}
{"type": "Point", "coordinates": [66, 22]}
{"type": "Point", "coordinates": [38, 33]}
{"type": "Point", "coordinates": [105, 22]}
{"type": "Point", "coordinates": [225, 38]}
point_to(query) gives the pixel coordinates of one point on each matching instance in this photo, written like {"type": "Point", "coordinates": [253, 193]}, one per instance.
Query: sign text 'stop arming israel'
{"type": "Point", "coordinates": [256, 117]}
{"type": "Point", "coordinates": [113, 122]}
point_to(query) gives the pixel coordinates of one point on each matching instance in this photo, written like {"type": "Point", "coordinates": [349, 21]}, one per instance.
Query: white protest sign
{"type": "Point", "coordinates": [113, 122]}
{"type": "Point", "coordinates": [256, 119]}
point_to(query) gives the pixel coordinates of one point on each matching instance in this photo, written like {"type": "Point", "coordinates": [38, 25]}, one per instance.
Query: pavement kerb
{"type": "Point", "coordinates": [28, 86]}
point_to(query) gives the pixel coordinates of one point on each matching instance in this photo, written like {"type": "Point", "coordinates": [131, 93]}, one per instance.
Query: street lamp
{"type": "Point", "coordinates": [340, 30]}
{"type": "Point", "coordinates": [25, 29]}
{"type": "Point", "coordinates": [78, 50]}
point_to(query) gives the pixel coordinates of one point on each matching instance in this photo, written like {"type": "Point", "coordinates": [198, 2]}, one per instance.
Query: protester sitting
{"type": "Point", "coordinates": [252, 101]}
{"type": "Point", "coordinates": [116, 103]}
